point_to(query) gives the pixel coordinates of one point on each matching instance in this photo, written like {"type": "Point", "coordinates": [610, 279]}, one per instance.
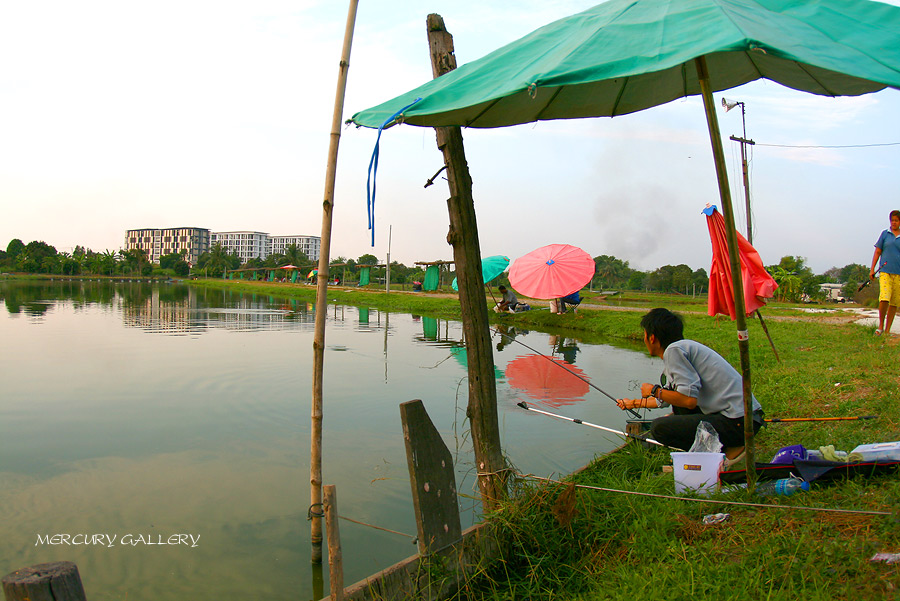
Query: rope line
{"type": "Point", "coordinates": [712, 501]}
{"type": "Point", "coordinates": [415, 538]}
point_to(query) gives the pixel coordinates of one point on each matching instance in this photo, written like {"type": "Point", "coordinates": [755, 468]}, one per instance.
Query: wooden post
{"type": "Point", "coordinates": [737, 285]}
{"type": "Point", "coordinates": [431, 478]}
{"type": "Point", "coordinates": [315, 455]}
{"type": "Point", "coordinates": [463, 236]}
{"type": "Point", "coordinates": [335, 555]}
{"type": "Point", "coordinates": [57, 581]}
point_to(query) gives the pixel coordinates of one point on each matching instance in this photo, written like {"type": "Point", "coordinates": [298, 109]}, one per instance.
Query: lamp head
{"type": "Point", "coordinates": [729, 104]}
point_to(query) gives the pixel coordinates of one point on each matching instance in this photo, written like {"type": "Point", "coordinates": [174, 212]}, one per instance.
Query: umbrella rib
{"type": "Point", "coordinates": [487, 107]}
{"type": "Point", "coordinates": [752, 60]}
{"type": "Point", "coordinates": [813, 77]}
{"type": "Point", "coordinates": [615, 106]}
{"type": "Point", "coordinates": [549, 102]}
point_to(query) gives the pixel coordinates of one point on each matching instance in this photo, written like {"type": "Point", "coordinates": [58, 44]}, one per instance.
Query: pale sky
{"type": "Point", "coordinates": [120, 115]}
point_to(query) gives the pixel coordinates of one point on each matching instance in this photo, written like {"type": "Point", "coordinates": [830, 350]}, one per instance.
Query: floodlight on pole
{"type": "Point", "coordinates": [730, 104]}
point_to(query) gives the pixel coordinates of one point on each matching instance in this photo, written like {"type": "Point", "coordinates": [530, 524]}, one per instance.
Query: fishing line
{"type": "Point", "coordinates": [588, 382]}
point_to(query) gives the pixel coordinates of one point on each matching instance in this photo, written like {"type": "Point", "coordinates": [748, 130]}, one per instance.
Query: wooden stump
{"type": "Point", "coordinates": [57, 581]}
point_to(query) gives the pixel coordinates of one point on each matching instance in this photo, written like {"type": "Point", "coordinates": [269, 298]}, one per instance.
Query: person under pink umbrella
{"type": "Point", "coordinates": [552, 272]}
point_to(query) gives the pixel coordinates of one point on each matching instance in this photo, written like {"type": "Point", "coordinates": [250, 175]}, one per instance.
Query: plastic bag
{"type": "Point", "coordinates": [706, 440]}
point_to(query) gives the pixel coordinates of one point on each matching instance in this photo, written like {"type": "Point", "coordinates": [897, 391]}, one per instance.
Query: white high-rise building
{"type": "Point", "coordinates": [308, 245]}
{"type": "Point", "coordinates": [247, 245]}
{"type": "Point", "coordinates": [194, 241]}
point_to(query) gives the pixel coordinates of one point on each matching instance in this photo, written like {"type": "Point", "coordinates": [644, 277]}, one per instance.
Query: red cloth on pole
{"type": "Point", "coordinates": [758, 284]}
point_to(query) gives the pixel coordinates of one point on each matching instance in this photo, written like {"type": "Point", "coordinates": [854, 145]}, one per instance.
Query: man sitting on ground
{"type": "Point", "coordinates": [697, 383]}
{"type": "Point", "coordinates": [507, 302]}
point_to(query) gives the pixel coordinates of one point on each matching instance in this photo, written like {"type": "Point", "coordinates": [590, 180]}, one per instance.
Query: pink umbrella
{"type": "Point", "coordinates": [552, 271]}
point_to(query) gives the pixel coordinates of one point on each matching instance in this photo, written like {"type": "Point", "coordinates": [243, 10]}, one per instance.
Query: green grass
{"type": "Point", "coordinates": [586, 544]}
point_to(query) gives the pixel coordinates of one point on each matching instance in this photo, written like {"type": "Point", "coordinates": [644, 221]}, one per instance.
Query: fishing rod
{"type": "Point", "coordinates": [588, 382]}
{"type": "Point", "coordinates": [818, 419]}
{"type": "Point", "coordinates": [525, 406]}
{"type": "Point", "coordinates": [866, 283]}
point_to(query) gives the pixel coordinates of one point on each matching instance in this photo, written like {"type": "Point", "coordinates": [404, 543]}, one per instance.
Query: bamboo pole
{"type": "Point", "coordinates": [737, 286]}
{"type": "Point", "coordinates": [463, 235]}
{"type": "Point", "coordinates": [315, 455]}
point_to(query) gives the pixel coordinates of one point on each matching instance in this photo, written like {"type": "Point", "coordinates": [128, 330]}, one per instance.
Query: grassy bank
{"type": "Point", "coordinates": [580, 543]}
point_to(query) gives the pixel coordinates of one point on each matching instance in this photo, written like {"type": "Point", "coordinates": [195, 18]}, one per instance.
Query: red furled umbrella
{"type": "Point", "coordinates": [758, 284]}
{"type": "Point", "coordinates": [539, 378]}
{"type": "Point", "coordinates": [551, 271]}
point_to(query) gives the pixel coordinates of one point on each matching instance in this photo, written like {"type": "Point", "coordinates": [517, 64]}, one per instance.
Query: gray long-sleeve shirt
{"type": "Point", "coordinates": [699, 372]}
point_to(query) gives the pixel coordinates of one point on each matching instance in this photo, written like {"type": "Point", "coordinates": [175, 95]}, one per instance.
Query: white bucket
{"type": "Point", "coordinates": [697, 472]}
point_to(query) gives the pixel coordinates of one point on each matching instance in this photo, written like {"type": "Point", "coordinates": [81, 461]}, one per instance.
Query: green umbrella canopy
{"type": "Point", "coordinates": [491, 267]}
{"type": "Point", "coordinates": [624, 56]}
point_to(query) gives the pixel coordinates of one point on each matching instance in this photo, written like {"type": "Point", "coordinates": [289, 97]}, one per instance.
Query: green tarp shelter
{"type": "Point", "coordinates": [624, 56]}
{"type": "Point", "coordinates": [432, 278]}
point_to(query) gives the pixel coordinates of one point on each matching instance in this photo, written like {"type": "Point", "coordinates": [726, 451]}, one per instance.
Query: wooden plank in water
{"type": "Point", "coordinates": [432, 480]}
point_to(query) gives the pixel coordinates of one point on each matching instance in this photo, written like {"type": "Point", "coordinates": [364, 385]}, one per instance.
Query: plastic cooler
{"type": "Point", "coordinates": [881, 450]}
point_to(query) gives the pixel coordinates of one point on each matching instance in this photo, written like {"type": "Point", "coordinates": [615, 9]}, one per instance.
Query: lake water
{"type": "Point", "coordinates": [146, 413]}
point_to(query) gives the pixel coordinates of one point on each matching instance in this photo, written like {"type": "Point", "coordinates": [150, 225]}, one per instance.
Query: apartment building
{"type": "Point", "coordinates": [308, 245]}
{"type": "Point", "coordinates": [248, 245]}
{"type": "Point", "coordinates": [194, 241]}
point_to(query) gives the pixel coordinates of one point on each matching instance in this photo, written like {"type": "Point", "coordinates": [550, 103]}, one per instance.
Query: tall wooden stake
{"type": "Point", "coordinates": [463, 236]}
{"type": "Point", "coordinates": [335, 554]}
{"type": "Point", "coordinates": [737, 285]}
{"type": "Point", "coordinates": [315, 454]}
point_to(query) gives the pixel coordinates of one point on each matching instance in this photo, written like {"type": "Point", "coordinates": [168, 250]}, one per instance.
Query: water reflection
{"type": "Point", "coordinates": [546, 380]}
{"type": "Point", "coordinates": [106, 429]}
{"type": "Point", "coordinates": [162, 308]}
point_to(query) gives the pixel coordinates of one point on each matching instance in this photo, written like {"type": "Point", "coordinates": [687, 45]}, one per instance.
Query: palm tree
{"type": "Point", "coordinates": [294, 256]}
{"type": "Point", "coordinates": [218, 259]}
{"type": "Point", "coordinates": [789, 283]}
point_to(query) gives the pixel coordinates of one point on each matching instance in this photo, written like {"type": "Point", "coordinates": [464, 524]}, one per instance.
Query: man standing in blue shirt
{"type": "Point", "coordinates": [697, 383]}
{"type": "Point", "coordinates": [887, 259]}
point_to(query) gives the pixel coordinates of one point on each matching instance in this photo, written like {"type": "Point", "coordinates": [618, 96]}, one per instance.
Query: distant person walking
{"type": "Point", "coordinates": [887, 260]}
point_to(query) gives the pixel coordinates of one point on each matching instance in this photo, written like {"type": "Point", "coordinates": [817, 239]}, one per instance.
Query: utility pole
{"type": "Point", "coordinates": [744, 142]}
{"type": "Point", "coordinates": [730, 104]}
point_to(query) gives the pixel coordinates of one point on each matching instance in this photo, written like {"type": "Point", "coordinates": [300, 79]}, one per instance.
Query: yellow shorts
{"type": "Point", "coordinates": [889, 285]}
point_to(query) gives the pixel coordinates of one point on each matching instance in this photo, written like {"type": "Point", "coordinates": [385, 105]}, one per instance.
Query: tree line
{"type": "Point", "coordinates": [796, 281]}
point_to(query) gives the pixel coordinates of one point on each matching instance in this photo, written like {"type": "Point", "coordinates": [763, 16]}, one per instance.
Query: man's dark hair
{"type": "Point", "coordinates": [895, 213]}
{"type": "Point", "coordinates": [668, 327]}
{"type": "Point", "coordinates": [501, 288]}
